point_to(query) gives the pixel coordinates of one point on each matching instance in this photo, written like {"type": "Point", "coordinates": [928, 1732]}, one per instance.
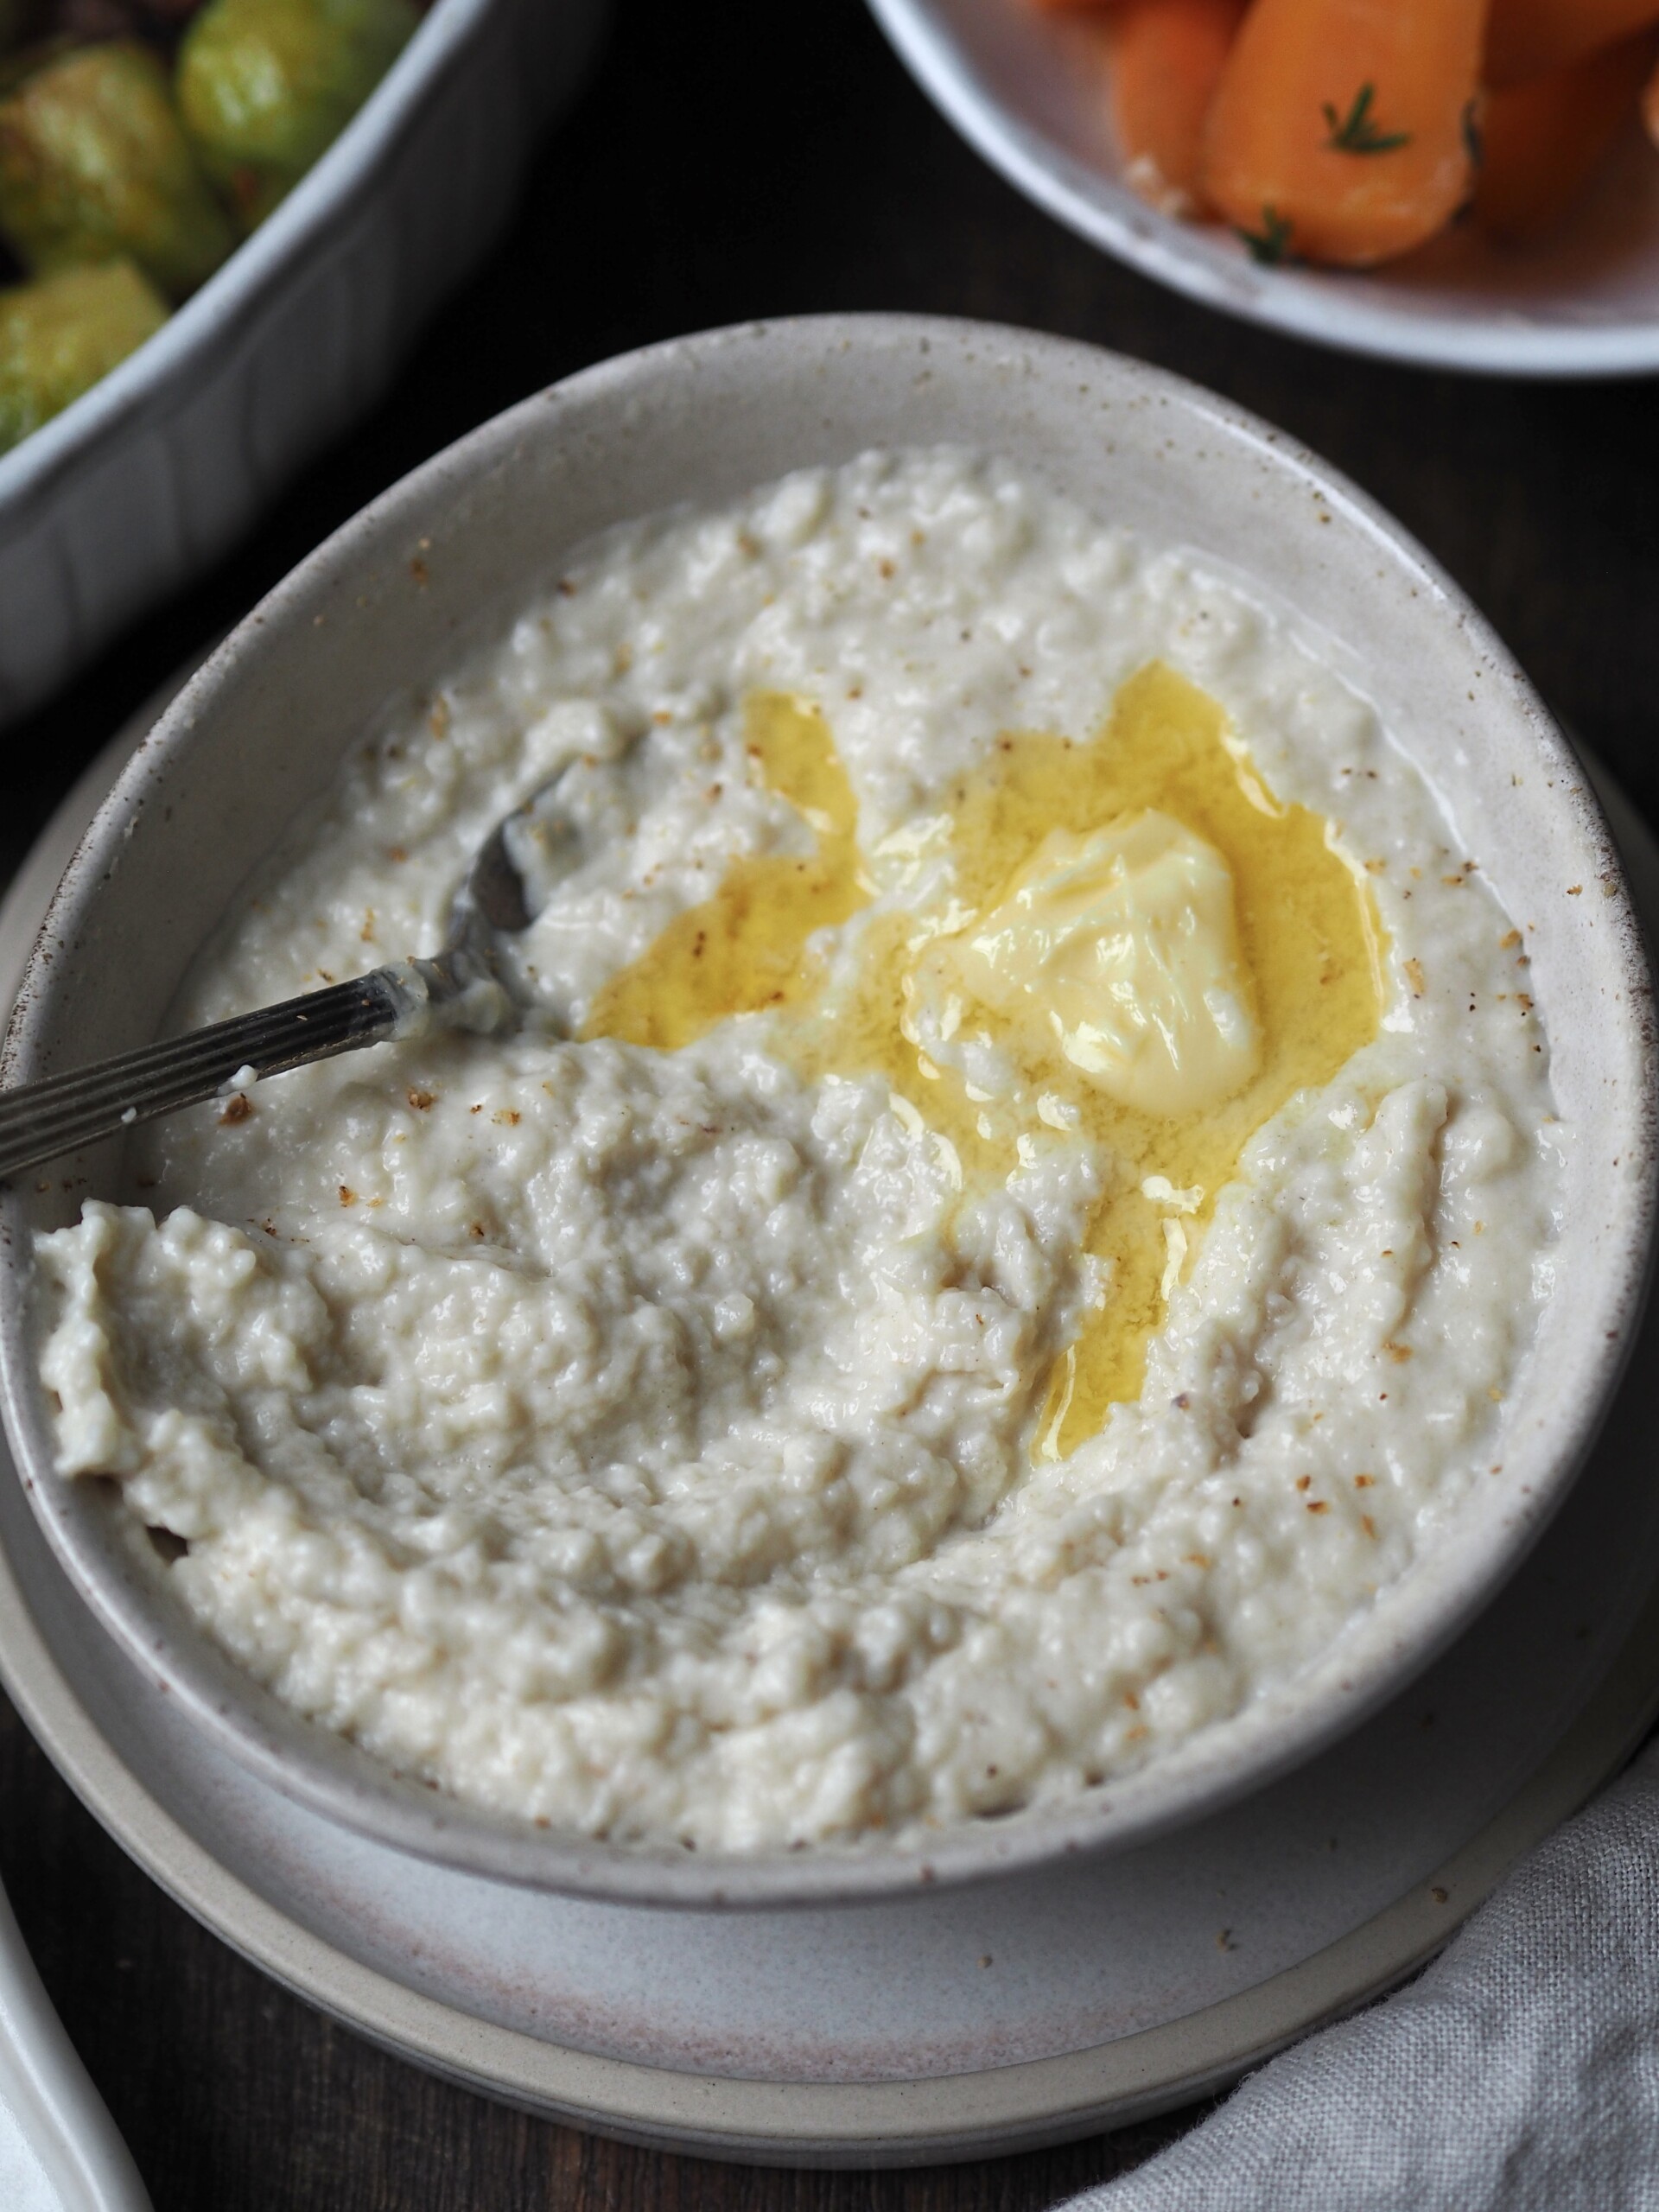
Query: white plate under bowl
{"type": "Point", "coordinates": [133, 489]}
{"type": "Point", "coordinates": [383, 609]}
{"type": "Point", "coordinates": [1027, 91]}
{"type": "Point", "coordinates": [942, 2026]}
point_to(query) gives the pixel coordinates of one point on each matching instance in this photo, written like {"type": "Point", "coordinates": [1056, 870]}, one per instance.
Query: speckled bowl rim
{"type": "Point", "coordinates": [1370, 1663]}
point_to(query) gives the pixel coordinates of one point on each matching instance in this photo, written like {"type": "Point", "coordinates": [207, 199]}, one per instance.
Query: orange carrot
{"type": "Point", "coordinates": [1524, 38]}
{"type": "Point", "coordinates": [1650, 107]}
{"type": "Point", "coordinates": [1339, 129]}
{"type": "Point", "coordinates": [1542, 140]}
{"type": "Point", "coordinates": [1167, 59]}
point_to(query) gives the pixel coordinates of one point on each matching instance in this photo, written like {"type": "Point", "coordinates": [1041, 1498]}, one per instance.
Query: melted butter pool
{"type": "Point", "coordinates": [745, 949]}
{"type": "Point", "coordinates": [1306, 942]}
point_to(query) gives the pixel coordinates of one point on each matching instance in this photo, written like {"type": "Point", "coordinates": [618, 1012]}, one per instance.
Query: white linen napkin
{"type": "Point", "coordinates": [59, 2148]}
{"type": "Point", "coordinates": [1518, 2073]}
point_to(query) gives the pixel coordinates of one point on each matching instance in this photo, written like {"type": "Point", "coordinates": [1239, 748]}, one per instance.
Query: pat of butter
{"type": "Point", "coordinates": [1123, 941]}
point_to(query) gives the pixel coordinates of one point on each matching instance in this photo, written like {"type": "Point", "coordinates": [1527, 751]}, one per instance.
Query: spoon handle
{"type": "Point", "coordinates": [41, 1120]}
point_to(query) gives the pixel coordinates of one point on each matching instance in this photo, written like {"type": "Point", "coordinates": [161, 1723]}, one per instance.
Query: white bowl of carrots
{"type": "Point", "coordinates": [1471, 183]}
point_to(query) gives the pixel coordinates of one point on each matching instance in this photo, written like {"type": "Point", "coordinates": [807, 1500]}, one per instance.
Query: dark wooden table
{"type": "Point", "coordinates": [725, 162]}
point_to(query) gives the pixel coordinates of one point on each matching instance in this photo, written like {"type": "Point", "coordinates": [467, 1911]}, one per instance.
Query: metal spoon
{"type": "Point", "coordinates": [462, 987]}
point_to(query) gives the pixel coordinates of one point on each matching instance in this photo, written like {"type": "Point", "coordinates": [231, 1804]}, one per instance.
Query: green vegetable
{"type": "Point", "coordinates": [1270, 245]}
{"type": "Point", "coordinates": [60, 334]}
{"type": "Point", "coordinates": [1356, 133]}
{"type": "Point", "coordinates": [93, 164]}
{"type": "Point", "coordinates": [266, 85]}
{"type": "Point", "coordinates": [22, 62]}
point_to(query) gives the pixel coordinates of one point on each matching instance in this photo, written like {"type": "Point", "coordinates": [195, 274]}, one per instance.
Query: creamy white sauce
{"type": "Point", "coordinates": [641, 1442]}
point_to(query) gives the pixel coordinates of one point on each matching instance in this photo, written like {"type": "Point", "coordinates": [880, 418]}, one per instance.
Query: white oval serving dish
{"type": "Point", "coordinates": [132, 489]}
{"type": "Point", "coordinates": [1026, 90]}
{"type": "Point", "coordinates": [387, 605]}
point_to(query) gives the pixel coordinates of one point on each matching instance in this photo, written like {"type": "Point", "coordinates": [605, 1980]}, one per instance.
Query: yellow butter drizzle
{"type": "Point", "coordinates": [1308, 932]}
{"type": "Point", "coordinates": [743, 949]}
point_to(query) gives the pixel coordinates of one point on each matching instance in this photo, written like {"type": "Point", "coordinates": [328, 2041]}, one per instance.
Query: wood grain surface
{"type": "Point", "coordinates": [724, 162]}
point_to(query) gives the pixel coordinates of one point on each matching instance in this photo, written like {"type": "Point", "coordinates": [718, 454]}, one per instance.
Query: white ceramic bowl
{"type": "Point", "coordinates": [1026, 90]}
{"type": "Point", "coordinates": [133, 489]}
{"type": "Point", "coordinates": [386, 606]}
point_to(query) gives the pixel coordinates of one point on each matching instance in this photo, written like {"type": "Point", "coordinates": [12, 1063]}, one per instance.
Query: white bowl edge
{"type": "Point", "coordinates": [599, 421]}
{"type": "Point", "coordinates": [1324, 308]}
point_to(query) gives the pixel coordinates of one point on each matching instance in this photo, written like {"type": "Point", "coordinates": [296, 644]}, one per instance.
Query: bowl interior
{"type": "Point", "coordinates": [1028, 89]}
{"type": "Point", "coordinates": [390, 602]}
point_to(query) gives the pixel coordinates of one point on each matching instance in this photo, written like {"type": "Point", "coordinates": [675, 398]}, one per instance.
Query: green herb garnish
{"type": "Point", "coordinates": [1270, 245]}
{"type": "Point", "coordinates": [1357, 131]}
